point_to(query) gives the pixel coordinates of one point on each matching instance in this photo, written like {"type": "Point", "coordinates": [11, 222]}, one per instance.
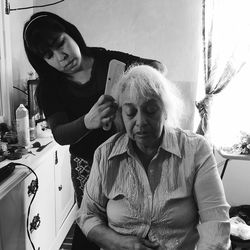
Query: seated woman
{"type": "Point", "coordinates": [153, 185]}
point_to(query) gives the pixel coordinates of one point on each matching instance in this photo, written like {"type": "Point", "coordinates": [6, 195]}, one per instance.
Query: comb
{"type": "Point", "coordinates": [116, 69]}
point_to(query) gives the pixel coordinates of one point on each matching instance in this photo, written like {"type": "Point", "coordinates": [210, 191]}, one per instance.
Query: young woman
{"type": "Point", "coordinates": [72, 79]}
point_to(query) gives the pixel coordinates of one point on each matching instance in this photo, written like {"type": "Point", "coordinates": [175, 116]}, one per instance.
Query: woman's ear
{"type": "Point", "coordinates": [165, 116]}
{"type": "Point", "coordinates": [118, 121]}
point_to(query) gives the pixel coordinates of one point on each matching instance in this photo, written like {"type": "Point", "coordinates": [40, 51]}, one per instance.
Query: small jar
{"type": "Point", "coordinates": [10, 137]}
{"type": "Point", "coordinates": [32, 124]}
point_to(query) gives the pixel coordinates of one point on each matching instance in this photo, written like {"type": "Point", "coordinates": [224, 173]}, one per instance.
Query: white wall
{"type": "Point", "coordinates": [236, 180]}
{"type": "Point", "coordinates": [166, 30]}
{"type": "Point", "coordinates": [20, 65]}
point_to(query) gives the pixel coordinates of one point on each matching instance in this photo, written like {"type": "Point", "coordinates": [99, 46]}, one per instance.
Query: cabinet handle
{"type": "Point", "coordinates": [32, 188]}
{"type": "Point", "coordinates": [56, 158]}
{"type": "Point", "coordinates": [60, 188]}
{"type": "Point", "coordinates": [34, 225]}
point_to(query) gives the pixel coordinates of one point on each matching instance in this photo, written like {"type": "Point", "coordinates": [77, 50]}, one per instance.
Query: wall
{"type": "Point", "coordinates": [164, 29]}
{"type": "Point", "coordinates": [235, 180]}
{"type": "Point", "coordinates": [169, 31]}
{"type": "Point", "coordinates": [20, 64]}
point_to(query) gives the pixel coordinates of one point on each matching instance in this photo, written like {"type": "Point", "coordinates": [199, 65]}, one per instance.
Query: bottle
{"type": "Point", "coordinates": [32, 124]}
{"type": "Point", "coordinates": [22, 126]}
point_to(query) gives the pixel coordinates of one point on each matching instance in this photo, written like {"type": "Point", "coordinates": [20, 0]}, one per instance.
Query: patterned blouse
{"type": "Point", "coordinates": [179, 201]}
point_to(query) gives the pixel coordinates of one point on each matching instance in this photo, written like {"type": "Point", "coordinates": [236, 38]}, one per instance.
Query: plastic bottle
{"type": "Point", "coordinates": [22, 126]}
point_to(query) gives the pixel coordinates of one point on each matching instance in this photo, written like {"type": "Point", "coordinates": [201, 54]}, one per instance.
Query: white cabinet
{"type": "Point", "coordinates": [52, 211]}
{"type": "Point", "coordinates": [41, 224]}
{"type": "Point", "coordinates": [63, 186]}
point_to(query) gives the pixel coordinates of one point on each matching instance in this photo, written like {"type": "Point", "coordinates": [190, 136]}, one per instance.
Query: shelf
{"type": "Point", "coordinates": [231, 156]}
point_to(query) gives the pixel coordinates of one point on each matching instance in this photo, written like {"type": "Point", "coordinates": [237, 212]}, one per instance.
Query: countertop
{"type": "Point", "coordinates": [234, 156]}
{"type": "Point", "coordinates": [21, 172]}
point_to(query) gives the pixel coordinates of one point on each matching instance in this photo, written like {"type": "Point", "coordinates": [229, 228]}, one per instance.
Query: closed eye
{"type": "Point", "coordinates": [152, 109]}
{"type": "Point", "coordinates": [59, 44]}
{"type": "Point", "coordinates": [118, 197]}
{"type": "Point", "coordinates": [48, 55]}
{"type": "Point", "coordinates": [129, 110]}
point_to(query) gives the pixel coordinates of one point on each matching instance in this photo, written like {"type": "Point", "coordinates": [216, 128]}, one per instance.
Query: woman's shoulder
{"type": "Point", "coordinates": [100, 55]}
{"type": "Point", "coordinates": [187, 133]}
{"type": "Point", "coordinates": [188, 142]}
{"type": "Point", "coordinates": [189, 137]}
{"type": "Point", "coordinates": [97, 51]}
{"type": "Point", "coordinates": [107, 54]}
{"type": "Point", "coordinates": [115, 142]}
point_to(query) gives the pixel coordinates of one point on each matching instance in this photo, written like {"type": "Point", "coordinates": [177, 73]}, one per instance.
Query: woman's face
{"type": "Point", "coordinates": [143, 119]}
{"type": "Point", "coordinates": [65, 56]}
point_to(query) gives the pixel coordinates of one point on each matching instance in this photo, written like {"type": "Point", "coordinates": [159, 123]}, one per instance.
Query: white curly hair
{"type": "Point", "coordinates": [143, 81]}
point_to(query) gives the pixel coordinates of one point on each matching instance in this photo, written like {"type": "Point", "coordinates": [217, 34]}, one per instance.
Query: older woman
{"type": "Point", "coordinates": [153, 186]}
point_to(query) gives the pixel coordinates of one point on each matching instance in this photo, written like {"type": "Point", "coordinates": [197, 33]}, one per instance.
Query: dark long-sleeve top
{"type": "Point", "coordinates": [65, 103]}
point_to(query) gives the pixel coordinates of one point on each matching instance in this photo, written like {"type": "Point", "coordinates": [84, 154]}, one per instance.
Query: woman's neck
{"type": "Point", "coordinates": [84, 74]}
{"type": "Point", "coordinates": [145, 154]}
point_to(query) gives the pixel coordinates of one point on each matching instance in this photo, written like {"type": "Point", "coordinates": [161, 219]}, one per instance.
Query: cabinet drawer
{"type": "Point", "coordinates": [41, 223]}
{"type": "Point", "coordinates": [12, 231]}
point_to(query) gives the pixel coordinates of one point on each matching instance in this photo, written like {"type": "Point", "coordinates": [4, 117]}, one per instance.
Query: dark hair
{"type": "Point", "coordinates": [38, 34]}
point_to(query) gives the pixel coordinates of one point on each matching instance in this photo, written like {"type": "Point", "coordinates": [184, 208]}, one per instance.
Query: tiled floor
{"type": "Point", "coordinates": [68, 240]}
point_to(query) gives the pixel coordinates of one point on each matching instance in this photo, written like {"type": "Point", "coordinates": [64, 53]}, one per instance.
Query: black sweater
{"type": "Point", "coordinates": [67, 103]}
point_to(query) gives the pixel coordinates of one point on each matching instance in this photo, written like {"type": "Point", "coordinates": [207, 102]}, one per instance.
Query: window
{"type": "Point", "coordinates": [226, 33]}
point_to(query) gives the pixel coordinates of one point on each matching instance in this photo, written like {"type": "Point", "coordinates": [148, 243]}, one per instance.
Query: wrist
{"type": "Point", "coordinates": [116, 242]}
{"type": "Point", "coordinates": [85, 124]}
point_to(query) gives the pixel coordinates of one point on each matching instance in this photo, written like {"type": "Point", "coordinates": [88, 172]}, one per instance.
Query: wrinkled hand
{"type": "Point", "coordinates": [101, 113]}
{"type": "Point", "coordinates": [135, 243]}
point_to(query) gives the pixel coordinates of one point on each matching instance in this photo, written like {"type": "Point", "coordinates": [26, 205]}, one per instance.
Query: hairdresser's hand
{"type": "Point", "coordinates": [135, 243]}
{"type": "Point", "coordinates": [101, 113]}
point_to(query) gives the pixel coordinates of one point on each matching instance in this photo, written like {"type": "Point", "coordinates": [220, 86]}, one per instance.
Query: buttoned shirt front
{"type": "Point", "coordinates": [179, 201]}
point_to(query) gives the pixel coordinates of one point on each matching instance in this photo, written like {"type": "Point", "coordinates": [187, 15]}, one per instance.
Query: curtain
{"type": "Point", "coordinates": [224, 30]}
